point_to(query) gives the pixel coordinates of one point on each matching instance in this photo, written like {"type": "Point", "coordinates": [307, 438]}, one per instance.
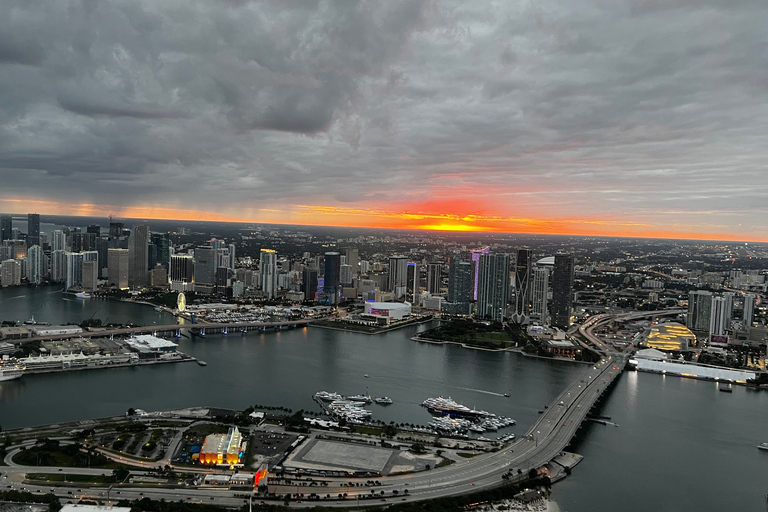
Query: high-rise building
{"type": "Point", "coordinates": [562, 291]}
{"type": "Point", "coordinates": [94, 229]}
{"type": "Point", "coordinates": [749, 309]}
{"type": "Point", "coordinates": [540, 292]}
{"type": "Point", "coordinates": [434, 277]}
{"type": "Point", "coordinates": [182, 268]}
{"type": "Point", "coordinates": [205, 269]}
{"type": "Point", "coordinates": [162, 250]}
{"type": "Point", "coordinates": [232, 258]}
{"type": "Point", "coordinates": [332, 279]}
{"type": "Point", "coordinates": [475, 267]}
{"type": "Point", "coordinates": [74, 270]}
{"type": "Point", "coordinates": [718, 318]}
{"type": "Point", "coordinates": [309, 283]}
{"type": "Point", "coordinates": [58, 266]}
{"type": "Point", "coordinates": [138, 257]}
{"type": "Point", "coordinates": [6, 227]}
{"type": "Point", "coordinates": [493, 286]}
{"type": "Point", "coordinates": [413, 282]}
{"type": "Point", "coordinates": [115, 230]}
{"type": "Point", "coordinates": [268, 272]}
{"type": "Point", "coordinates": [729, 297]}
{"type": "Point", "coordinates": [522, 286]}
{"type": "Point", "coordinates": [33, 229]}
{"type": "Point", "coordinates": [460, 281]}
{"type": "Point", "coordinates": [90, 275]}
{"type": "Point", "coordinates": [699, 310]}
{"type": "Point", "coordinates": [59, 241]}
{"type": "Point", "coordinates": [10, 273]}
{"type": "Point", "coordinates": [353, 260]}
{"type": "Point", "coordinates": [346, 274]}
{"type": "Point", "coordinates": [35, 264]}
{"type": "Point", "coordinates": [398, 276]}
{"type": "Point", "coordinates": [117, 268]}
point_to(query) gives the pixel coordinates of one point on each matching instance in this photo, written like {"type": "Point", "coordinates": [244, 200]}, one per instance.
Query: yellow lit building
{"type": "Point", "coordinates": [670, 336]}
{"type": "Point", "coordinates": [222, 448]}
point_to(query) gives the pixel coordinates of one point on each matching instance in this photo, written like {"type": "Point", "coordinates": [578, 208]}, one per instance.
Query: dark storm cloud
{"type": "Point", "coordinates": [306, 102]}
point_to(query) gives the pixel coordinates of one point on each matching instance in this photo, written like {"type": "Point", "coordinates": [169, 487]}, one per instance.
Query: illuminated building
{"type": "Point", "coordinates": [223, 448]}
{"type": "Point", "coordinates": [460, 281]}
{"type": "Point", "coordinates": [670, 336]}
{"type": "Point", "coordinates": [332, 279]}
{"type": "Point", "coordinates": [391, 310]}
{"type": "Point", "coordinates": [413, 283]}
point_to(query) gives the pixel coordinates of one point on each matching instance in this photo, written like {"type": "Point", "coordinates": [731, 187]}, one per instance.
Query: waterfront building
{"type": "Point", "coordinates": [388, 310]}
{"type": "Point", "coordinates": [6, 227]}
{"type": "Point", "coordinates": [117, 268]}
{"type": "Point", "coordinates": [35, 264]}
{"type": "Point", "coordinates": [475, 267]}
{"type": "Point", "coordinates": [182, 268]}
{"type": "Point", "coordinates": [540, 293]}
{"type": "Point", "coordinates": [434, 277]}
{"type": "Point", "coordinates": [222, 448]}
{"type": "Point", "coordinates": [749, 309]}
{"type": "Point", "coordinates": [10, 273]}
{"type": "Point", "coordinates": [522, 286]}
{"type": "Point", "coordinates": [460, 281]}
{"type": "Point", "coordinates": [33, 229]}
{"type": "Point", "coordinates": [268, 272]}
{"type": "Point", "coordinates": [493, 286]}
{"type": "Point", "coordinates": [413, 283]}
{"type": "Point", "coordinates": [699, 310]}
{"type": "Point", "coordinates": [138, 257]}
{"type": "Point", "coordinates": [398, 276]}
{"type": "Point", "coordinates": [58, 266]}
{"type": "Point", "coordinates": [90, 275]}
{"type": "Point", "coordinates": [332, 279]}
{"type": "Point", "coordinates": [74, 275]}
{"type": "Point", "coordinates": [562, 291]}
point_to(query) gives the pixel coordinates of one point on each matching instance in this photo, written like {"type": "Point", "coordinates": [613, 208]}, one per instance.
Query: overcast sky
{"type": "Point", "coordinates": [633, 117]}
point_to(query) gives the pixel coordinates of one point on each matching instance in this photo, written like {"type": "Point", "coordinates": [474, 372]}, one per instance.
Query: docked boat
{"type": "Point", "coordinates": [383, 400]}
{"type": "Point", "coordinates": [449, 407]}
{"type": "Point", "coordinates": [10, 372]}
{"type": "Point", "coordinates": [328, 397]}
{"type": "Point", "coordinates": [476, 428]}
{"type": "Point", "coordinates": [360, 398]}
{"type": "Point", "coordinates": [763, 446]}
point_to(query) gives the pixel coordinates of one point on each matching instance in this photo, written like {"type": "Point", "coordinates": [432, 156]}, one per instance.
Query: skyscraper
{"type": "Point", "coordinates": [74, 270]}
{"type": "Point", "coordinates": [460, 281]}
{"type": "Point", "coordinates": [138, 257]}
{"type": "Point", "coordinates": [749, 309]}
{"type": "Point", "coordinates": [332, 279]}
{"type": "Point", "coordinates": [59, 266]}
{"type": "Point", "coordinates": [522, 286]}
{"type": "Point", "coordinates": [346, 274]}
{"type": "Point", "coordinates": [162, 245]}
{"type": "Point", "coordinates": [728, 296]}
{"type": "Point", "coordinates": [59, 241]}
{"type": "Point", "coordinates": [35, 264]}
{"type": "Point", "coordinates": [493, 286]}
{"type": "Point", "coordinates": [205, 270]}
{"type": "Point", "coordinates": [90, 275]}
{"type": "Point", "coordinates": [353, 259]}
{"type": "Point", "coordinates": [117, 268]}
{"type": "Point", "coordinates": [413, 282]}
{"type": "Point", "coordinates": [562, 291]}
{"type": "Point", "coordinates": [398, 276]}
{"type": "Point", "coordinates": [699, 310]}
{"type": "Point", "coordinates": [33, 229]}
{"type": "Point", "coordinates": [540, 291]}
{"type": "Point", "coordinates": [6, 227]}
{"type": "Point", "coordinates": [268, 272]}
{"type": "Point", "coordinates": [434, 277]}
{"type": "Point", "coordinates": [718, 318]}
{"type": "Point", "coordinates": [475, 267]}
{"type": "Point", "coordinates": [182, 268]}
{"type": "Point", "coordinates": [309, 283]}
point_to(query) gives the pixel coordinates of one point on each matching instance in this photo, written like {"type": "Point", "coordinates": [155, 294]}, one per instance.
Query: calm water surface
{"type": "Point", "coordinates": [681, 445]}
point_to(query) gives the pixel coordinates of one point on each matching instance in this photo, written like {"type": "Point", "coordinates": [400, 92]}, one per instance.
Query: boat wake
{"type": "Point", "coordinates": [483, 391]}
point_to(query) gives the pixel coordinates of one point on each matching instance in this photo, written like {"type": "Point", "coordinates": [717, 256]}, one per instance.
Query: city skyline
{"type": "Point", "coordinates": [631, 118]}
